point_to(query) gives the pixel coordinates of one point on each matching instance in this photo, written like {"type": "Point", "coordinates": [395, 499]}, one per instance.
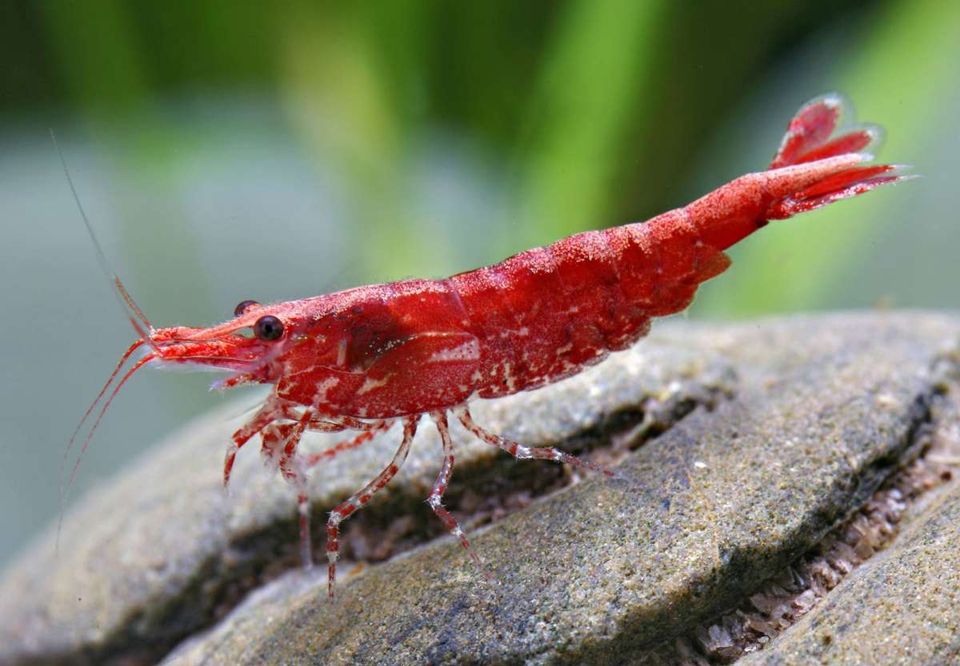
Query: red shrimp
{"type": "Point", "coordinates": [366, 358]}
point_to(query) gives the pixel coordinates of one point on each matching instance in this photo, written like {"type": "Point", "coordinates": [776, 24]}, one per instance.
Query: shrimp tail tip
{"type": "Point", "coordinates": [813, 137]}
{"type": "Point", "coordinates": [820, 130]}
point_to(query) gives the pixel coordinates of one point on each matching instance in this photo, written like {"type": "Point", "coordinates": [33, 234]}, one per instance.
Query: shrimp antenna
{"type": "Point", "coordinates": [140, 324]}
{"type": "Point", "coordinates": [139, 321]}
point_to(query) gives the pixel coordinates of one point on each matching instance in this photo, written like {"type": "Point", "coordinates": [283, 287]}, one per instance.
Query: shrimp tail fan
{"type": "Point", "coordinates": [818, 132]}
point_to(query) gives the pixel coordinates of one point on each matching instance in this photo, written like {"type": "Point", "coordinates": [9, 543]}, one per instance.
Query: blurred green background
{"type": "Point", "coordinates": [233, 150]}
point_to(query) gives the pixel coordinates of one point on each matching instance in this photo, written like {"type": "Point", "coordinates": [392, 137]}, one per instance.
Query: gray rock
{"type": "Point", "coordinates": [820, 411]}
{"type": "Point", "coordinates": [902, 609]}
{"type": "Point", "coordinates": [900, 606]}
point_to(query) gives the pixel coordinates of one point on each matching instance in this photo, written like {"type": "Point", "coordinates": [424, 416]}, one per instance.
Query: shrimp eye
{"type": "Point", "coordinates": [242, 307]}
{"type": "Point", "coordinates": [268, 328]}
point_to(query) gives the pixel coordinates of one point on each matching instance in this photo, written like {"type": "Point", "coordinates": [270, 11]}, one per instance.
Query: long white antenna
{"type": "Point", "coordinates": [101, 257]}
{"type": "Point", "coordinates": [133, 311]}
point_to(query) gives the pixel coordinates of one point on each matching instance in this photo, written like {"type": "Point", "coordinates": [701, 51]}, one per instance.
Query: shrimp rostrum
{"type": "Point", "coordinates": [364, 359]}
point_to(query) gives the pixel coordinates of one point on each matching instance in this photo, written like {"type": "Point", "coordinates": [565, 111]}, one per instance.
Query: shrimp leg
{"type": "Point", "coordinates": [313, 459]}
{"type": "Point", "coordinates": [280, 442]}
{"type": "Point", "coordinates": [284, 438]}
{"type": "Point", "coordinates": [521, 452]}
{"type": "Point", "coordinates": [440, 487]}
{"type": "Point", "coordinates": [274, 409]}
{"type": "Point", "coordinates": [368, 430]}
{"type": "Point", "coordinates": [260, 420]}
{"type": "Point", "coordinates": [361, 497]}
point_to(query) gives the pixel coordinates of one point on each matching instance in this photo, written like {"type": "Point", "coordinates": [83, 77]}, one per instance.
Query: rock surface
{"type": "Point", "coordinates": [900, 610]}
{"type": "Point", "coordinates": [900, 606]}
{"type": "Point", "coordinates": [795, 424]}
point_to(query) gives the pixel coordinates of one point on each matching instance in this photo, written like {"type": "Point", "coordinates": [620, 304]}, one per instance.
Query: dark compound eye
{"type": "Point", "coordinates": [242, 307]}
{"type": "Point", "coordinates": [268, 328]}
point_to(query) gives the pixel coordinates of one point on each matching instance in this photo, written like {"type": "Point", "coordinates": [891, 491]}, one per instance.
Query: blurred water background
{"type": "Point", "coordinates": [227, 151]}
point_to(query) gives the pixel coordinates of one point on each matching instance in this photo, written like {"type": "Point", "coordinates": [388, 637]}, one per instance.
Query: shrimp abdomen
{"type": "Point", "coordinates": [548, 312]}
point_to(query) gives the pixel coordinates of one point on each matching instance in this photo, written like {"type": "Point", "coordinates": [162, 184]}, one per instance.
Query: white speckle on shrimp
{"type": "Point", "coordinates": [468, 351]}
